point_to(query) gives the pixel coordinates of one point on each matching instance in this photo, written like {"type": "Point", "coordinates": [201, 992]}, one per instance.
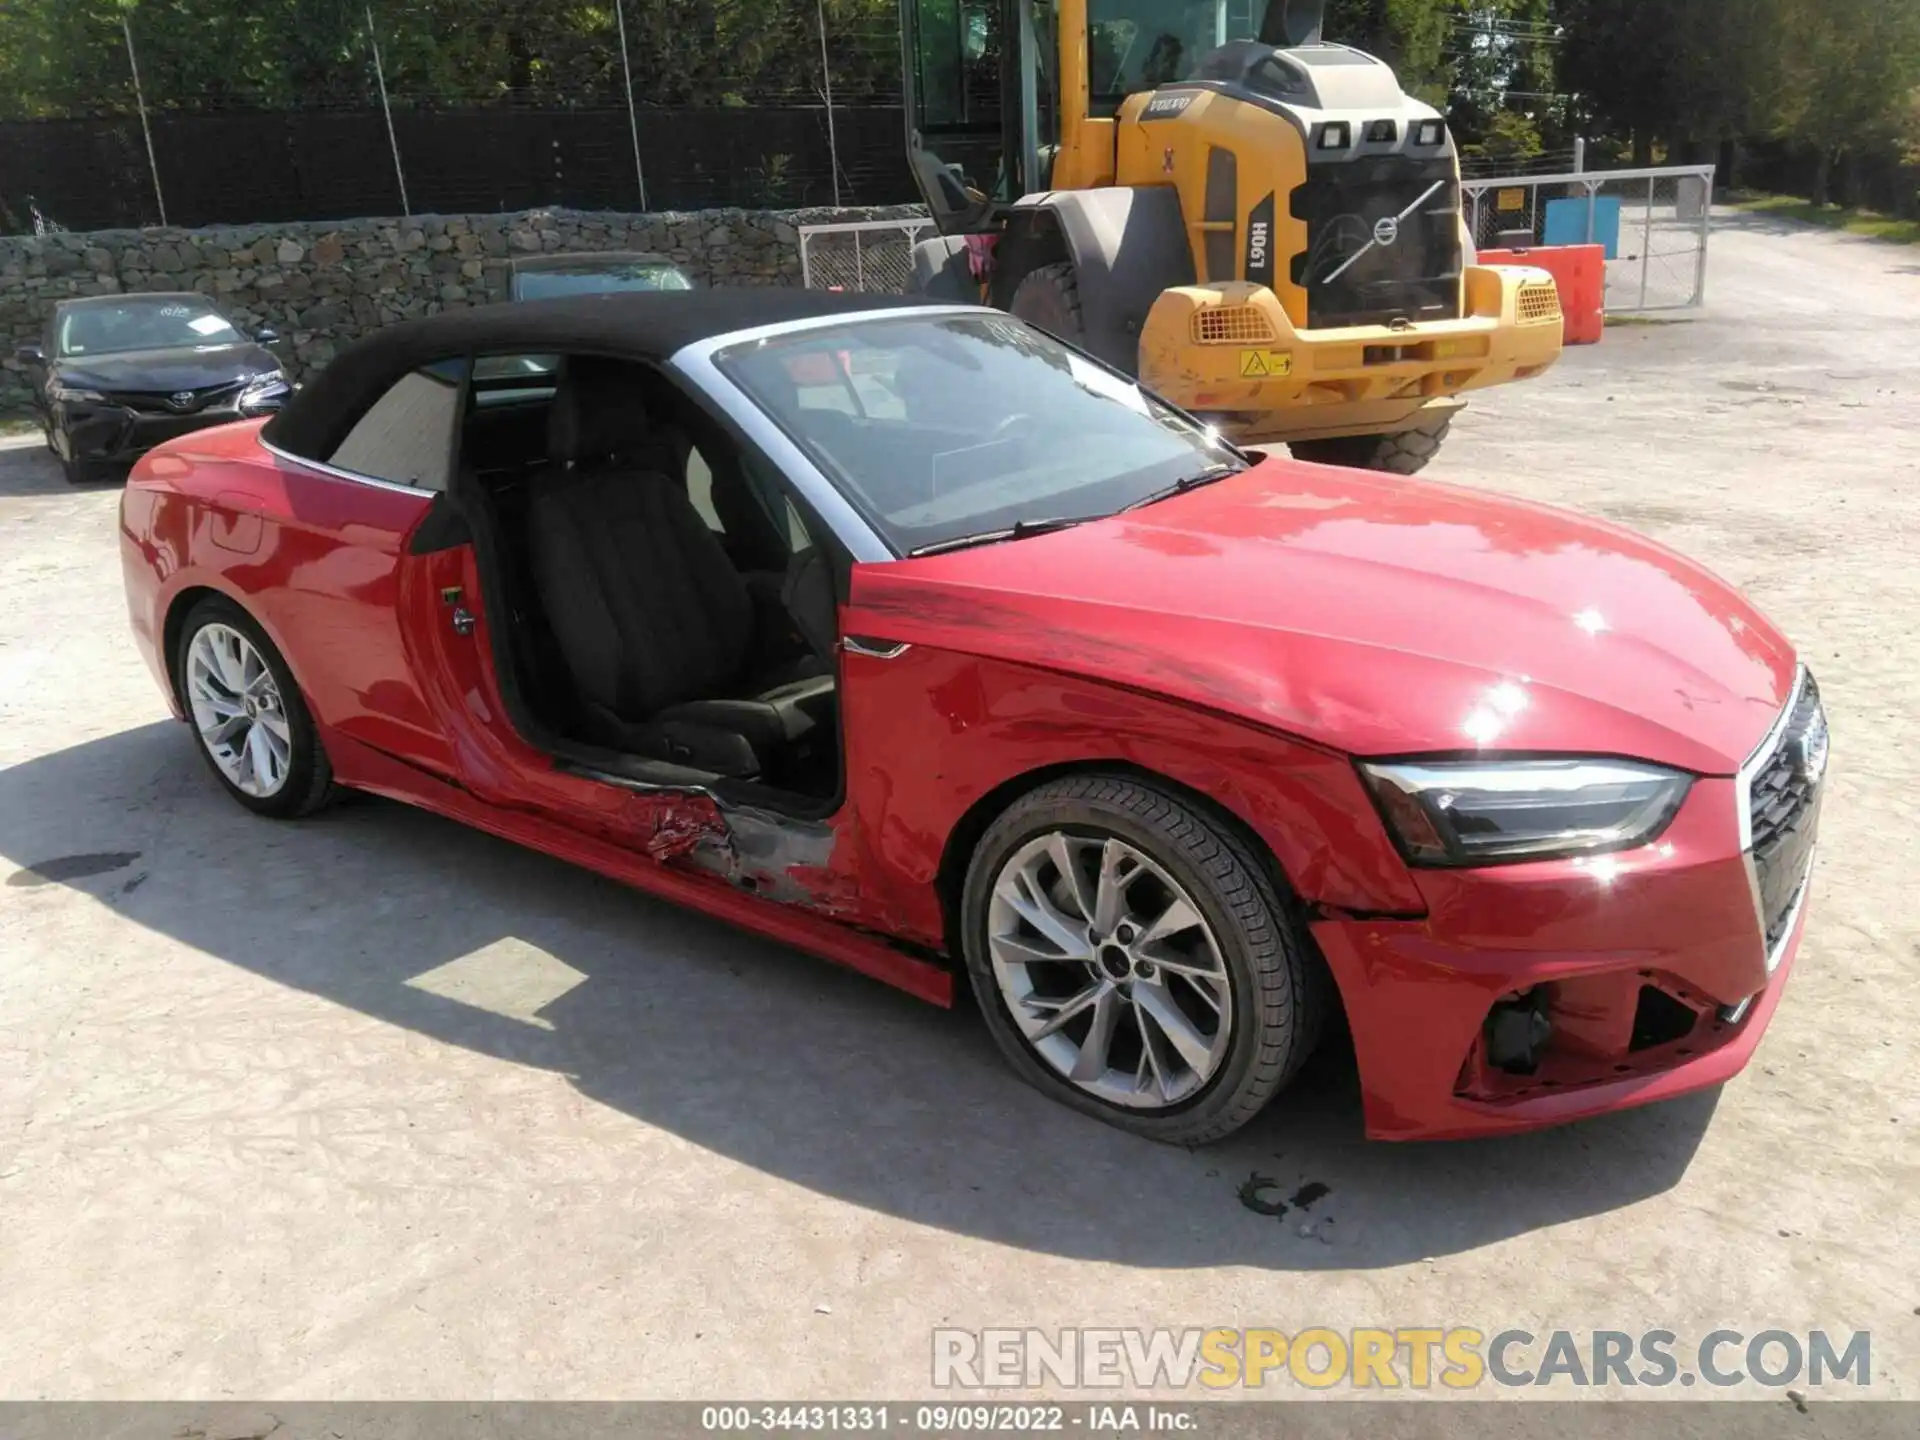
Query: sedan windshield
{"type": "Point", "coordinates": [941, 428]}
{"type": "Point", "coordinates": [547, 284]}
{"type": "Point", "coordinates": [162, 323]}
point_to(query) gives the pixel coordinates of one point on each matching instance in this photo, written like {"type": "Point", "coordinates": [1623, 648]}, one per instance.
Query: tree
{"type": "Point", "coordinates": [1849, 83]}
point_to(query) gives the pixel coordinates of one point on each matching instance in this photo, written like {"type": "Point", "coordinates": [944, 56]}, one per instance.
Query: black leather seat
{"type": "Point", "coordinates": [661, 635]}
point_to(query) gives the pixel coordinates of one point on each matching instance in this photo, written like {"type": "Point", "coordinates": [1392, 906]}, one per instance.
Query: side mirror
{"type": "Point", "coordinates": [30, 355]}
{"type": "Point", "coordinates": [267, 336]}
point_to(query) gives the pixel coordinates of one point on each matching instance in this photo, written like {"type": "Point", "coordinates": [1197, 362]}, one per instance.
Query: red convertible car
{"type": "Point", "coordinates": [911, 637]}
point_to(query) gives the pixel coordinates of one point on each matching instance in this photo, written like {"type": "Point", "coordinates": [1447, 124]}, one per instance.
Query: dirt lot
{"type": "Point", "coordinates": [373, 1106]}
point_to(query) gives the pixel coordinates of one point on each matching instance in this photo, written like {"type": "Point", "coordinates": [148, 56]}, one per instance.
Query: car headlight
{"type": "Point", "coordinates": [1480, 812]}
{"type": "Point", "coordinates": [68, 394]}
{"type": "Point", "coordinates": [264, 393]}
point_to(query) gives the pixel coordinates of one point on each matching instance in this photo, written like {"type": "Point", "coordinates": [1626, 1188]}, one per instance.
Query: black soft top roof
{"type": "Point", "coordinates": [646, 325]}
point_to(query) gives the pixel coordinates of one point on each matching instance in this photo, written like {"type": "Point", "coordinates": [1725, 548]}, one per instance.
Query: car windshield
{"type": "Point", "coordinates": [157, 324]}
{"type": "Point", "coordinates": [597, 280]}
{"type": "Point", "coordinates": [943, 427]}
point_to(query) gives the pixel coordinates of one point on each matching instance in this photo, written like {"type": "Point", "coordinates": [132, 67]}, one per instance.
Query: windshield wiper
{"type": "Point", "coordinates": [1186, 483]}
{"type": "Point", "coordinates": [1019, 530]}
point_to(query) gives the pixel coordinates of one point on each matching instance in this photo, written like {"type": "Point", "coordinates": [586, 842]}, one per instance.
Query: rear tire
{"type": "Point", "coordinates": [1403, 453]}
{"type": "Point", "coordinates": [234, 683]}
{"type": "Point", "coordinates": [1213, 995]}
{"type": "Point", "coordinates": [1049, 298]}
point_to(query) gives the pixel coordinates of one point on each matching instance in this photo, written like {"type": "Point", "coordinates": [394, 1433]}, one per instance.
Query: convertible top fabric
{"type": "Point", "coordinates": [643, 325]}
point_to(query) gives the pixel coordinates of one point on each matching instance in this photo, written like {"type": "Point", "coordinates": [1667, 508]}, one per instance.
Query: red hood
{"type": "Point", "coordinates": [1371, 614]}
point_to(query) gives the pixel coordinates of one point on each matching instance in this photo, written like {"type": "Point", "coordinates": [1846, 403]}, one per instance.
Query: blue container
{"type": "Point", "coordinates": [1567, 223]}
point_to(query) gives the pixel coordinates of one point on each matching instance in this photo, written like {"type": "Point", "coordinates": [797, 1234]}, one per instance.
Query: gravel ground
{"type": "Point", "coordinates": [376, 1107]}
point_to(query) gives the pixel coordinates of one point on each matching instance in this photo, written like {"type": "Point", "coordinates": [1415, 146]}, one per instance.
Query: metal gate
{"type": "Point", "coordinates": [1654, 223]}
{"type": "Point", "coordinates": [871, 255]}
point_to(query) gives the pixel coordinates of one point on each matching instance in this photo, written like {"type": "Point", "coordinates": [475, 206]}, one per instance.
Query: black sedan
{"type": "Point", "coordinates": [117, 374]}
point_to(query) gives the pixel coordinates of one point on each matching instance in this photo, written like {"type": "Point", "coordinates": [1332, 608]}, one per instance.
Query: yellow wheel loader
{"type": "Point", "coordinates": [1257, 224]}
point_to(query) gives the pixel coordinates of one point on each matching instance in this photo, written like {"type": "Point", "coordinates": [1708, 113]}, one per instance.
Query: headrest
{"type": "Point", "coordinates": [925, 385]}
{"type": "Point", "coordinates": [597, 413]}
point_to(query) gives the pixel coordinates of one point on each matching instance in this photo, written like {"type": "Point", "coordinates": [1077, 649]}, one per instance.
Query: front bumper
{"type": "Point", "coordinates": [110, 435]}
{"type": "Point", "coordinates": [1592, 938]}
{"type": "Point", "coordinates": [1229, 351]}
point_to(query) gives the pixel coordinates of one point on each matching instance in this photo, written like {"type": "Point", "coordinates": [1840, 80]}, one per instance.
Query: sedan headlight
{"type": "Point", "coordinates": [264, 393]}
{"type": "Point", "coordinates": [68, 394]}
{"type": "Point", "coordinates": [1478, 812]}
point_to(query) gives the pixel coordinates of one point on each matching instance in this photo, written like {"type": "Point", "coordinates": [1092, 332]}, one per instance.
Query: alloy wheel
{"type": "Point", "coordinates": [1109, 969]}
{"type": "Point", "coordinates": [238, 710]}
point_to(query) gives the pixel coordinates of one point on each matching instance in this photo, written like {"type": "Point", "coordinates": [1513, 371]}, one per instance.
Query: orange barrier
{"type": "Point", "coordinates": [1580, 274]}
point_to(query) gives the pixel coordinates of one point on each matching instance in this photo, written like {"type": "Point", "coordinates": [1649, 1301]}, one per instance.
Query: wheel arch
{"type": "Point", "coordinates": [171, 627]}
{"type": "Point", "coordinates": [181, 604]}
{"type": "Point", "coordinates": [1127, 244]}
{"type": "Point", "coordinates": [964, 838]}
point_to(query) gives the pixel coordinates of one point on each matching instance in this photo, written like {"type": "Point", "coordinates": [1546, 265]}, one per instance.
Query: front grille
{"type": "Point", "coordinates": [1783, 801]}
{"type": "Point", "coordinates": [1538, 302]}
{"type": "Point", "coordinates": [1383, 241]}
{"type": "Point", "coordinates": [163, 403]}
{"type": "Point", "coordinates": [1230, 325]}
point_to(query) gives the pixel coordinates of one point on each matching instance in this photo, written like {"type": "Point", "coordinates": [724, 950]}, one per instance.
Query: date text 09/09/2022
{"type": "Point", "coordinates": [945, 1419]}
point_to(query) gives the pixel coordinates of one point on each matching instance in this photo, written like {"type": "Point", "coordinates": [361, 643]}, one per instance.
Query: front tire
{"type": "Point", "coordinates": [249, 720]}
{"type": "Point", "coordinates": [1049, 298]}
{"type": "Point", "coordinates": [1405, 452]}
{"type": "Point", "coordinates": [1133, 960]}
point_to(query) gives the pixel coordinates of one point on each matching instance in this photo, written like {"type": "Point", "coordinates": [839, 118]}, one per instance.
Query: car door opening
{"type": "Point", "coordinates": [656, 616]}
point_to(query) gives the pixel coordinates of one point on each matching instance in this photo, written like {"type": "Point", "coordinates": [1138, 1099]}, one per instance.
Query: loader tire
{"type": "Point", "coordinates": [1049, 299]}
{"type": "Point", "coordinates": [1402, 453]}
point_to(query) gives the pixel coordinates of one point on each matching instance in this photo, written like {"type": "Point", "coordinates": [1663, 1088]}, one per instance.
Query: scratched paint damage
{"type": "Point", "coordinates": [775, 856]}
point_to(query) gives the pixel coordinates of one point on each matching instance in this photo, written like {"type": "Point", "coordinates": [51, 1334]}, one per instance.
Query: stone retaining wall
{"type": "Point", "coordinates": [322, 284]}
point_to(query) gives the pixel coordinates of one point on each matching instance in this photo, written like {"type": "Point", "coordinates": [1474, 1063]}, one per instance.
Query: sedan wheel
{"type": "Point", "coordinates": [1136, 961]}
{"type": "Point", "coordinates": [251, 722]}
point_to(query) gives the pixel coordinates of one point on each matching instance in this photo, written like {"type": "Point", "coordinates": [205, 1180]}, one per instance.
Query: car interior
{"type": "Point", "coordinates": [659, 604]}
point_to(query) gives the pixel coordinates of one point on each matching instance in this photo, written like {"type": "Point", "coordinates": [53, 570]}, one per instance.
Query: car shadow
{"type": "Point", "coordinates": [28, 468]}
{"type": "Point", "coordinates": [791, 1065]}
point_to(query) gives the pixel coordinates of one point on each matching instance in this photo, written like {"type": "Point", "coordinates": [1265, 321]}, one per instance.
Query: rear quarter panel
{"type": "Point", "coordinates": [315, 559]}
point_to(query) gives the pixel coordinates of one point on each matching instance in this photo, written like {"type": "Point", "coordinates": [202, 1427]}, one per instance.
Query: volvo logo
{"type": "Point", "coordinates": [1810, 750]}
{"type": "Point", "coordinates": [1386, 230]}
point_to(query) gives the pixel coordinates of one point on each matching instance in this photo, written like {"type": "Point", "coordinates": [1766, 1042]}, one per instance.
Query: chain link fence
{"type": "Point", "coordinates": [197, 113]}
{"type": "Point", "coordinates": [1654, 224]}
{"type": "Point", "coordinates": [865, 255]}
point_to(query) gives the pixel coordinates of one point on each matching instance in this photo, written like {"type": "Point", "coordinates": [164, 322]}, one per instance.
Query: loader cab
{"type": "Point", "coordinates": [996, 88]}
{"type": "Point", "coordinates": [982, 103]}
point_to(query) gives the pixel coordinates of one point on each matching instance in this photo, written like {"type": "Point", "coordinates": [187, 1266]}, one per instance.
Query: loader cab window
{"type": "Point", "coordinates": [1139, 45]}
{"type": "Point", "coordinates": [982, 95]}
{"type": "Point", "coordinates": [956, 112]}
